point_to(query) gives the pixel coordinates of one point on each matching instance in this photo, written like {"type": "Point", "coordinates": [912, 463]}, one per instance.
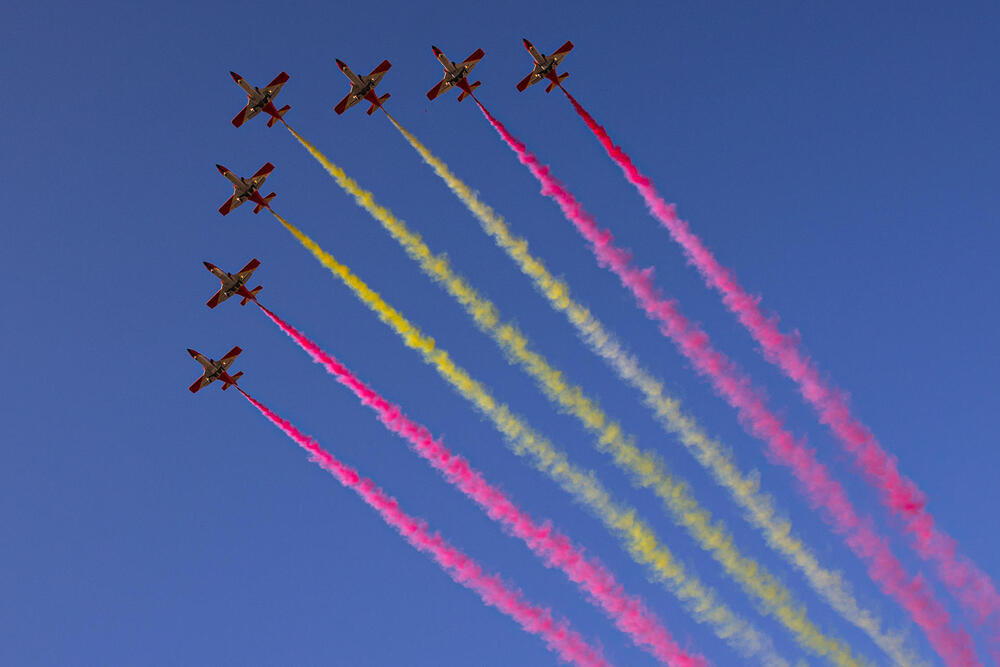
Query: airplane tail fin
{"type": "Point", "coordinates": [377, 104]}
{"type": "Point", "coordinates": [281, 112]}
{"type": "Point", "coordinates": [226, 385]}
{"type": "Point", "coordinates": [557, 82]}
{"type": "Point", "coordinates": [267, 202]}
{"type": "Point", "coordinates": [253, 295]}
{"type": "Point", "coordinates": [466, 93]}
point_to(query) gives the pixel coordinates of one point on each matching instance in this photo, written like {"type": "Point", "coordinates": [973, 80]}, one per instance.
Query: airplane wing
{"type": "Point", "coordinates": [245, 114]}
{"type": "Point", "coordinates": [442, 86]}
{"type": "Point", "coordinates": [379, 72]}
{"type": "Point", "coordinates": [199, 383]}
{"type": "Point", "coordinates": [529, 80]}
{"type": "Point", "coordinates": [473, 60]}
{"type": "Point", "coordinates": [247, 271]}
{"type": "Point", "coordinates": [561, 53]}
{"type": "Point", "coordinates": [230, 357]}
{"type": "Point", "coordinates": [217, 298]}
{"type": "Point", "coordinates": [231, 203]}
{"type": "Point", "coordinates": [346, 103]}
{"type": "Point", "coordinates": [273, 87]}
{"type": "Point", "coordinates": [261, 175]}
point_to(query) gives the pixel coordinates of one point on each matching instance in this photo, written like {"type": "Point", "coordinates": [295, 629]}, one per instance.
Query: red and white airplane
{"type": "Point", "coordinates": [215, 370]}
{"type": "Point", "coordinates": [545, 67]}
{"type": "Point", "coordinates": [456, 74]}
{"type": "Point", "coordinates": [260, 100]}
{"type": "Point", "coordinates": [247, 189]}
{"type": "Point", "coordinates": [363, 88]}
{"type": "Point", "coordinates": [234, 284]}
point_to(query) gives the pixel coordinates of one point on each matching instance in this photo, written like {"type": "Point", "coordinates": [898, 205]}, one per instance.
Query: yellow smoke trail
{"type": "Point", "coordinates": [637, 538]}
{"type": "Point", "coordinates": [646, 468]}
{"type": "Point", "coordinates": [716, 458]}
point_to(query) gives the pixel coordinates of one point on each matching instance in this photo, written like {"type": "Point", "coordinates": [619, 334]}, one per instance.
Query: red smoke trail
{"type": "Point", "coordinates": [900, 494]}
{"type": "Point", "coordinates": [954, 646]}
{"type": "Point", "coordinates": [566, 643]}
{"type": "Point", "coordinates": [630, 614]}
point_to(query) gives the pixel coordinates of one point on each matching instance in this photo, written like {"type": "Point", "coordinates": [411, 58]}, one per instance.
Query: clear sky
{"type": "Point", "coordinates": [843, 159]}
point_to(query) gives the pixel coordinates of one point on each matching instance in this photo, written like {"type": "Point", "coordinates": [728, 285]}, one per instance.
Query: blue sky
{"type": "Point", "coordinates": [843, 160]}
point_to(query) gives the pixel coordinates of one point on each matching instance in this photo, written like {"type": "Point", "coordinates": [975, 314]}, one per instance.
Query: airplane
{"type": "Point", "coordinates": [545, 67]}
{"type": "Point", "coordinates": [246, 189]}
{"type": "Point", "coordinates": [234, 284]}
{"type": "Point", "coordinates": [456, 74]}
{"type": "Point", "coordinates": [363, 88]}
{"type": "Point", "coordinates": [216, 370]}
{"type": "Point", "coordinates": [260, 100]}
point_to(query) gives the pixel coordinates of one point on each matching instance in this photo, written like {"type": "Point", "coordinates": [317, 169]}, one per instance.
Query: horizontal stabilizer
{"type": "Point", "coordinates": [557, 82]}
{"type": "Point", "coordinates": [377, 104]}
{"type": "Point", "coordinates": [267, 202]}
{"type": "Point", "coordinates": [466, 93]}
{"type": "Point", "coordinates": [226, 385]}
{"type": "Point", "coordinates": [253, 295]}
{"type": "Point", "coordinates": [281, 112]}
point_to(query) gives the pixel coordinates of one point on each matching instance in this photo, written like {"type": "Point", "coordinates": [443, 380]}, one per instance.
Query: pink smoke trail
{"type": "Point", "coordinates": [900, 494]}
{"type": "Point", "coordinates": [629, 613]}
{"type": "Point", "coordinates": [561, 639]}
{"type": "Point", "coordinates": [912, 593]}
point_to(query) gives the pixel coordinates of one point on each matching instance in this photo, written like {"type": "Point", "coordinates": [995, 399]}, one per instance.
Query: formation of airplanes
{"type": "Point", "coordinates": [261, 100]}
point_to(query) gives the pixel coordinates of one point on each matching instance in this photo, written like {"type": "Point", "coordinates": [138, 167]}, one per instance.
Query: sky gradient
{"type": "Point", "coordinates": [842, 160]}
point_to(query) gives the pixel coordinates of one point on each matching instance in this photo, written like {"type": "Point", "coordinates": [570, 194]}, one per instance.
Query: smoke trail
{"type": "Point", "coordinates": [954, 646]}
{"type": "Point", "coordinates": [646, 469]}
{"type": "Point", "coordinates": [900, 494]}
{"type": "Point", "coordinates": [636, 536]}
{"type": "Point", "coordinates": [557, 634]}
{"type": "Point", "coordinates": [629, 613]}
{"type": "Point", "coordinates": [716, 458]}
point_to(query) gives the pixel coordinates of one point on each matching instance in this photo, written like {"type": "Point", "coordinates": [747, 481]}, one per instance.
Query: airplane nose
{"type": "Point", "coordinates": [222, 170]}
{"type": "Point", "coordinates": [527, 44]}
{"type": "Point", "coordinates": [192, 352]}
{"type": "Point", "coordinates": [236, 77]}
{"type": "Point", "coordinates": [207, 265]}
{"type": "Point", "coordinates": [436, 50]}
{"type": "Point", "coordinates": [340, 63]}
